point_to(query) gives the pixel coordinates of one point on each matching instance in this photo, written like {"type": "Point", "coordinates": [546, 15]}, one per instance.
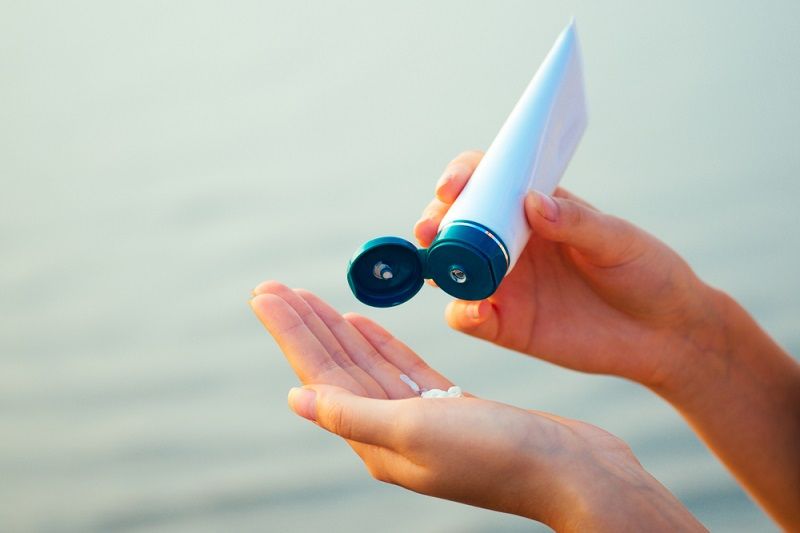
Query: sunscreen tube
{"type": "Point", "coordinates": [485, 230]}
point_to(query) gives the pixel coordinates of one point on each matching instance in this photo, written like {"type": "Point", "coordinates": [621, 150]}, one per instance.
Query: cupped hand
{"type": "Point", "coordinates": [561, 472]}
{"type": "Point", "coordinates": [590, 291]}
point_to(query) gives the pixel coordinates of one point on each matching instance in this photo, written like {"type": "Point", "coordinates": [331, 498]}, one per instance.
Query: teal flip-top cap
{"type": "Point", "coordinates": [386, 271]}
{"type": "Point", "coordinates": [467, 261]}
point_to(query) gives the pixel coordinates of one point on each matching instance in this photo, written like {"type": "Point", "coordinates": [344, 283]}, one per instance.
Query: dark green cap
{"type": "Point", "coordinates": [386, 271]}
{"type": "Point", "coordinates": [465, 260]}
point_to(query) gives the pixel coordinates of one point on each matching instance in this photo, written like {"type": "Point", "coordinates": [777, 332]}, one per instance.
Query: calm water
{"type": "Point", "coordinates": [158, 160]}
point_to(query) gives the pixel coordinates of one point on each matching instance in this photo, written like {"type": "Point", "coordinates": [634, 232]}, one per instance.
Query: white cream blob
{"type": "Point", "coordinates": [452, 392]}
{"type": "Point", "coordinates": [410, 382]}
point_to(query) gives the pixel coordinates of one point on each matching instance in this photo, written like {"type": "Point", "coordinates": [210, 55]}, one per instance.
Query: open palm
{"type": "Point", "coordinates": [469, 450]}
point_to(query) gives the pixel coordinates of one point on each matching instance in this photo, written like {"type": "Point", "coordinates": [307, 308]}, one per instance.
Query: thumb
{"type": "Point", "coordinates": [346, 414]}
{"type": "Point", "coordinates": [603, 240]}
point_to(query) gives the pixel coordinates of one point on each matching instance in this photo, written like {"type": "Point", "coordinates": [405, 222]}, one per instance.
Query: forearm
{"type": "Point", "coordinates": [741, 393]}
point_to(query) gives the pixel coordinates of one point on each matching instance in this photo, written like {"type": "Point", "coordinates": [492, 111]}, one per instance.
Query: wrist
{"type": "Point", "coordinates": [701, 349]}
{"type": "Point", "coordinates": [722, 354]}
{"type": "Point", "coordinates": [739, 391]}
{"type": "Point", "coordinates": [640, 503]}
{"type": "Point", "coordinates": [603, 497]}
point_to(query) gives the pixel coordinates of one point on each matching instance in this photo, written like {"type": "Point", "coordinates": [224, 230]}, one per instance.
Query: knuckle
{"type": "Point", "coordinates": [627, 242]}
{"type": "Point", "coordinates": [623, 227]}
{"type": "Point", "coordinates": [575, 214]}
{"type": "Point", "coordinates": [431, 210]}
{"type": "Point", "coordinates": [338, 354]}
{"type": "Point", "coordinates": [336, 421]}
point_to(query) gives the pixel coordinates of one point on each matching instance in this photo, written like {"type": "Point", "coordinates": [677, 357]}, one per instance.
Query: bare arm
{"type": "Point", "coordinates": [741, 394]}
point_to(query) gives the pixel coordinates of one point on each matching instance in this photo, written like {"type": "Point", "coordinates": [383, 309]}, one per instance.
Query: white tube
{"type": "Point", "coordinates": [531, 150]}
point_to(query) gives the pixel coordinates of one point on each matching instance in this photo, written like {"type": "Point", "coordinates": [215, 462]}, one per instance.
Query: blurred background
{"type": "Point", "coordinates": [159, 159]}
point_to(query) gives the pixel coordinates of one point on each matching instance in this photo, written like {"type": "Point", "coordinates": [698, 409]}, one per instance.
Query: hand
{"type": "Point", "coordinates": [565, 473]}
{"type": "Point", "coordinates": [595, 293]}
{"type": "Point", "coordinates": [590, 291]}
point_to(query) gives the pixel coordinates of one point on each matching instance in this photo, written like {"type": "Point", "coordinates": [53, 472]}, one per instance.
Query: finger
{"type": "Point", "coordinates": [324, 335]}
{"type": "Point", "coordinates": [382, 463]}
{"type": "Point", "coordinates": [361, 351]}
{"type": "Point", "coordinates": [449, 186]}
{"type": "Point", "coordinates": [308, 358]}
{"type": "Point", "coordinates": [428, 225]}
{"type": "Point", "coordinates": [456, 175]}
{"type": "Point", "coordinates": [550, 416]}
{"type": "Point", "coordinates": [564, 193]}
{"type": "Point", "coordinates": [357, 418]}
{"type": "Point", "coordinates": [477, 318]}
{"type": "Point", "coordinates": [399, 354]}
{"type": "Point", "coordinates": [603, 240]}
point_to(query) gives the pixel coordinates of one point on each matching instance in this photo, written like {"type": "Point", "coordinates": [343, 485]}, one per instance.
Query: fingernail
{"type": "Point", "coordinates": [255, 303]}
{"type": "Point", "coordinates": [546, 206]}
{"type": "Point", "coordinates": [420, 222]}
{"type": "Point", "coordinates": [303, 402]}
{"type": "Point", "coordinates": [445, 177]}
{"type": "Point", "coordinates": [449, 173]}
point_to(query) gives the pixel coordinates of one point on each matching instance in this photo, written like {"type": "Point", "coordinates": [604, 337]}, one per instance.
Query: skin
{"type": "Point", "coordinates": [590, 292]}
{"type": "Point", "coordinates": [619, 292]}
{"type": "Point", "coordinates": [565, 473]}
{"type": "Point", "coordinates": [595, 293]}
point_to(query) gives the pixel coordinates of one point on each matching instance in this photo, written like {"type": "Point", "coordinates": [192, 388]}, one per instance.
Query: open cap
{"type": "Point", "coordinates": [465, 260]}
{"type": "Point", "coordinates": [386, 271]}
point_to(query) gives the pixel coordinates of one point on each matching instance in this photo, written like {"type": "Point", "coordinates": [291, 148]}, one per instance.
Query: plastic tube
{"type": "Point", "coordinates": [485, 230]}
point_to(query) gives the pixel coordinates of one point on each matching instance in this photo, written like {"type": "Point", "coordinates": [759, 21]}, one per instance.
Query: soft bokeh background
{"type": "Point", "coordinates": [158, 159]}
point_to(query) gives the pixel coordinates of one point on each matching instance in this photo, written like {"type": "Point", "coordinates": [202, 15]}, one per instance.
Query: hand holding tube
{"type": "Point", "coordinates": [590, 291]}
{"type": "Point", "coordinates": [595, 293]}
{"type": "Point", "coordinates": [483, 233]}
